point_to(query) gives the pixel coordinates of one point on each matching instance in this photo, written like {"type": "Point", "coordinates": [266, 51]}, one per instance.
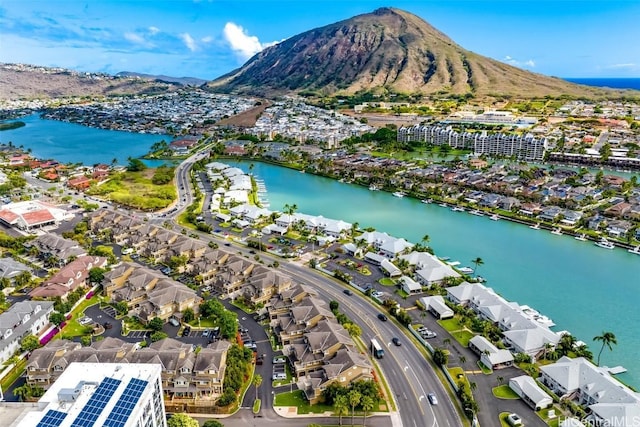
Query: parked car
{"type": "Point", "coordinates": [382, 317]}
{"type": "Point", "coordinates": [107, 325]}
{"type": "Point", "coordinates": [429, 334]}
{"type": "Point", "coordinates": [514, 420]}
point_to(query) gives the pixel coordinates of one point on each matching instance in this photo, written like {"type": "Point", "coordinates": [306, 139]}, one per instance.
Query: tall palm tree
{"type": "Point", "coordinates": [341, 406]}
{"type": "Point", "coordinates": [425, 239]}
{"type": "Point", "coordinates": [367, 404]}
{"type": "Point", "coordinates": [607, 339]}
{"type": "Point", "coordinates": [478, 262]}
{"type": "Point", "coordinates": [257, 380]}
{"type": "Point", "coordinates": [354, 400]}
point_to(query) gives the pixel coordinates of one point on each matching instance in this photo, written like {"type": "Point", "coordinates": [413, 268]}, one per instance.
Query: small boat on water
{"type": "Point", "coordinates": [443, 205]}
{"type": "Point", "coordinates": [399, 194]}
{"type": "Point", "coordinates": [476, 212]}
{"type": "Point", "coordinates": [635, 250]}
{"type": "Point", "coordinates": [427, 201]}
{"type": "Point", "coordinates": [536, 226]}
{"type": "Point", "coordinates": [494, 217]}
{"type": "Point", "coordinates": [582, 237]}
{"type": "Point", "coordinates": [557, 231]}
{"type": "Point", "coordinates": [373, 187]}
{"type": "Point", "coordinates": [466, 270]}
{"type": "Point", "coordinates": [604, 243]}
{"type": "Point", "coordinates": [457, 209]}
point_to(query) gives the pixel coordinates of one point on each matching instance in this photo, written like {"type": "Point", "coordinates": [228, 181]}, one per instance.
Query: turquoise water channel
{"type": "Point", "coordinates": [584, 289]}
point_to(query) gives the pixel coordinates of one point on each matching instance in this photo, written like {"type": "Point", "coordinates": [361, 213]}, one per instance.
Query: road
{"type": "Point", "coordinates": [408, 373]}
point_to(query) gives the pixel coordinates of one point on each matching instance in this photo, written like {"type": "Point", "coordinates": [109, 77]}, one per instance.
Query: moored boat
{"type": "Point", "coordinates": [427, 201]}
{"type": "Point", "coordinates": [457, 209]}
{"type": "Point", "coordinates": [494, 217]}
{"type": "Point", "coordinates": [605, 244]}
{"type": "Point", "coordinates": [557, 231]}
{"type": "Point", "coordinates": [399, 194]}
{"type": "Point", "coordinates": [582, 237]}
{"type": "Point", "coordinates": [635, 250]}
{"type": "Point", "coordinates": [536, 226]}
{"type": "Point", "coordinates": [476, 212]}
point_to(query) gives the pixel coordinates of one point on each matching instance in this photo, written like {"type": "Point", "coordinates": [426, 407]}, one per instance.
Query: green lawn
{"type": "Point", "coordinates": [463, 336]}
{"type": "Point", "coordinates": [503, 419]}
{"type": "Point", "coordinates": [13, 375]}
{"type": "Point", "coordinates": [204, 322]}
{"type": "Point", "coordinates": [451, 324]}
{"type": "Point", "coordinates": [457, 373]}
{"type": "Point", "coordinates": [544, 415]}
{"type": "Point", "coordinates": [386, 281]}
{"type": "Point", "coordinates": [298, 400]}
{"type": "Point", "coordinates": [485, 370]}
{"type": "Point", "coordinates": [504, 392]}
{"type": "Point", "coordinates": [256, 406]}
{"type": "Point", "coordinates": [135, 189]}
{"type": "Point", "coordinates": [75, 329]}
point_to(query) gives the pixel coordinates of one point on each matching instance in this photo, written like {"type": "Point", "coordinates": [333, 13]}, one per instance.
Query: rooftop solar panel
{"type": "Point", "coordinates": [94, 407]}
{"type": "Point", "coordinates": [128, 400]}
{"type": "Point", "coordinates": [52, 419]}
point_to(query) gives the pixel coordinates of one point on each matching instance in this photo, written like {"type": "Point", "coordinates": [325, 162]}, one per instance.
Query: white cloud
{"type": "Point", "coordinates": [135, 38]}
{"type": "Point", "coordinates": [207, 39]}
{"type": "Point", "coordinates": [153, 30]}
{"type": "Point", "coordinates": [627, 65]}
{"type": "Point", "coordinates": [189, 41]}
{"type": "Point", "coordinates": [516, 63]}
{"type": "Point", "coordinates": [241, 42]}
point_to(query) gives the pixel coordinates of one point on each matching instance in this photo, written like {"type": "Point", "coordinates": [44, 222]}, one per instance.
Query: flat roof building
{"type": "Point", "coordinates": [101, 394]}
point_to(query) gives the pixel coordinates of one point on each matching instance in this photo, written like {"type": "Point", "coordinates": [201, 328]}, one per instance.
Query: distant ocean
{"type": "Point", "coordinates": [616, 83]}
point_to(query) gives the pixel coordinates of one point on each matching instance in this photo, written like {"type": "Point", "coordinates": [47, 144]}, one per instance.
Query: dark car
{"type": "Point", "coordinates": [348, 291]}
{"type": "Point", "coordinates": [396, 341]}
{"type": "Point", "coordinates": [107, 325]}
{"type": "Point", "coordinates": [382, 317]}
{"type": "Point", "coordinates": [252, 252]}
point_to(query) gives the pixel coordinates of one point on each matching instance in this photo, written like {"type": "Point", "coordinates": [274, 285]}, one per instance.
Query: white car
{"type": "Point", "coordinates": [85, 320]}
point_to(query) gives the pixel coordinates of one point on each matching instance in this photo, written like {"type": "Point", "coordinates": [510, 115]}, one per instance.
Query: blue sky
{"type": "Point", "coordinates": [207, 38]}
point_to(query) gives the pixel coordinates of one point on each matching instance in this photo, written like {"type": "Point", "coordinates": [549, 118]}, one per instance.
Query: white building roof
{"type": "Point", "coordinates": [524, 385]}
{"type": "Point", "coordinates": [409, 285]}
{"type": "Point", "coordinates": [437, 304]}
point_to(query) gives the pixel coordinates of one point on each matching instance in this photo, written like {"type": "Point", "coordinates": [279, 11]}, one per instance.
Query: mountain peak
{"type": "Point", "coordinates": [387, 49]}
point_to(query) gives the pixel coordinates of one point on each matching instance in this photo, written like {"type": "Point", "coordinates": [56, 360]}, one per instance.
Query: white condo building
{"type": "Point", "coordinates": [101, 394]}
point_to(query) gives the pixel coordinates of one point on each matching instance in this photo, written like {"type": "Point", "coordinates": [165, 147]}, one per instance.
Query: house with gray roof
{"type": "Point", "coordinates": [10, 268]}
{"type": "Point", "coordinates": [530, 392]}
{"type": "Point", "coordinates": [21, 319]}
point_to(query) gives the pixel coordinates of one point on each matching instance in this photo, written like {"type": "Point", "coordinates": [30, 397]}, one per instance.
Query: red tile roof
{"type": "Point", "coordinates": [37, 217]}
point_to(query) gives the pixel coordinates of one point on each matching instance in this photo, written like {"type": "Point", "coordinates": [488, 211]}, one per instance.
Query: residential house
{"type": "Point", "coordinates": [21, 319]}
{"type": "Point", "coordinates": [69, 278]}
{"type": "Point", "coordinates": [10, 268]}
{"type": "Point", "coordinates": [410, 286]}
{"type": "Point", "coordinates": [530, 392]}
{"type": "Point", "coordinates": [490, 356]}
{"type": "Point", "coordinates": [436, 306]}
{"type": "Point", "coordinates": [53, 246]}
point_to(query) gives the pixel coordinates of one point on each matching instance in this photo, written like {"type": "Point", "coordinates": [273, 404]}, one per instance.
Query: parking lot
{"type": "Point", "coordinates": [138, 334]}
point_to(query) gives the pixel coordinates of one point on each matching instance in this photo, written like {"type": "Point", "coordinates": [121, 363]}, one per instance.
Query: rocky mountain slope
{"type": "Point", "coordinates": [18, 81]}
{"type": "Point", "coordinates": [390, 49]}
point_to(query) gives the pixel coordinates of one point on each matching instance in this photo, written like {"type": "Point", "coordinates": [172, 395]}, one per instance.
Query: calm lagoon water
{"type": "Point", "coordinates": [584, 289]}
{"type": "Point", "coordinates": [73, 143]}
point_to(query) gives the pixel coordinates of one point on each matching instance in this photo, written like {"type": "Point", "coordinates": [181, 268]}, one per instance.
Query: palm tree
{"type": "Point", "coordinates": [257, 380]}
{"type": "Point", "coordinates": [607, 339]}
{"type": "Point", "coordinates": [354, 399]}
{"type": "Point", "coordinates": [341, 406]}
{"type": "Point", "coordinates": [478, 262]}
{"type": "Point", "coordinates": [367, 404]}
{"type": "Point", "coordinates": [425, 239]}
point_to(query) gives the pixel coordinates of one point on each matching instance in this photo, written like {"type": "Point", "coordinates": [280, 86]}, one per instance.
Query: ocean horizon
{"type": "Point", "coordinates": [610, 82]}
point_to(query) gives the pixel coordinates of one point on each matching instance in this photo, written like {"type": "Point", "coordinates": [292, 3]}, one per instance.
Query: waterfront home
{"type": "Point", "coordinates": [550, 213]}
{"type": "Point", "coordinates": [596, 222]}
{"type": "Point", "coordinates": [618, 228]}
{"type": "Point", "coordinates": [428, 268]}
{"type": "Point", "coordinates": [436, 306]}
{"type": "Point", "coordinates": [21, 319]}
{"type": "Point", "coordinates": [374, 258]}
{"type": "Point", "coordinates": [530, 392]}
{"type": "Point", "coordinates": [387, 245]}
{"type": "Point", "coordinates": [609, 401]}
{"type": "Point", "coordinates": [69, 278]}
{"type": "Point", "coordinates": [571, 217]}
{"type": "Point", "coordinates": [530, 341]}
{"type": "Point", "coordinates": [618, 210]}
{"type": "Point", "coordinates": [462, 294]}
{"type": "Point", "coordinates": [490, 356]}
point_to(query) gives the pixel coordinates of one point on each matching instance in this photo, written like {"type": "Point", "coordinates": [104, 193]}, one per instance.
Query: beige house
{"type": "Point", "coordinates": [185, 373]}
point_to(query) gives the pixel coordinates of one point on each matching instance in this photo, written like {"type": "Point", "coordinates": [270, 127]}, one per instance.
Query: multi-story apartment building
{"type": "Point", "coordinates": [102, 394]}
{"type": "Point", "coordinates": [523, 147]}
{"type": "Point", "coordinates": [22, 319]}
